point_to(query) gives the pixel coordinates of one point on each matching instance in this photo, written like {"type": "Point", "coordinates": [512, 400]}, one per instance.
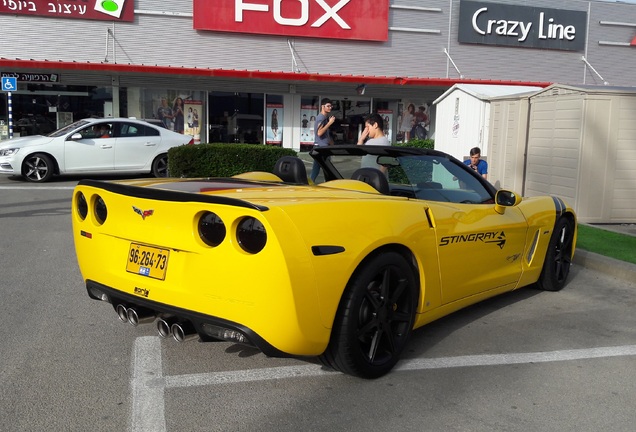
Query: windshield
{"type": "Point", "coordinates": [428, 177]}
{"type": "Point", "coordinates": [68, 128]}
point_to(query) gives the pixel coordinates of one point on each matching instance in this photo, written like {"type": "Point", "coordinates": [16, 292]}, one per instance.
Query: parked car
{"type": "Point", "coordinates": [156, 122]}
{"type": "Point", "coordinates": [343, 270]}
{"type": "Point", "coordinates": [131, 146]}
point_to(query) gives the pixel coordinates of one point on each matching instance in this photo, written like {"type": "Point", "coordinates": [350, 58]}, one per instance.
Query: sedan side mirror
{"type": "Point", "coordinates": [76, 136]}
{"type": "Point", "coordinates": [505, 198]}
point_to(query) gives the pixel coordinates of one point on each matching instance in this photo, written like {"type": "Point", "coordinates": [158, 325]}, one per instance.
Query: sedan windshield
{"type": "Point", "coordinates": [68, 128]}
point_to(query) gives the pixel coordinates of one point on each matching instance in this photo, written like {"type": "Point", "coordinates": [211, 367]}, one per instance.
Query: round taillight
{"type": "Point", "coordinates": [101, 212]}
{"type": "Point", "coordinates": [251, 235]}
{"type": "Point", "coordinates": [82, 205]}
{"type": "Point", "coordinates": [211, 229]}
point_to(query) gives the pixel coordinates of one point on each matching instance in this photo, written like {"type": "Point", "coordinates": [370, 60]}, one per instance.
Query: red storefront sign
{"type": "Point", "coordinates": [333, 19]}
{"type": "Point", "coordinates": [104, 10]}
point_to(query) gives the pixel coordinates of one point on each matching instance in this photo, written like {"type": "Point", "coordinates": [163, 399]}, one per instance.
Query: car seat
{"type": "Point", "coordinates": [374, 177]}
{"type": "Point", "coordinates": [291, 169]}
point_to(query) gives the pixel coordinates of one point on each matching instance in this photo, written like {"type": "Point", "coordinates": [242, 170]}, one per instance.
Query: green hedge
{"type": "Point", "coordinates": [223, 160]}
{"type": "Point", "coordinates": [419, 143]}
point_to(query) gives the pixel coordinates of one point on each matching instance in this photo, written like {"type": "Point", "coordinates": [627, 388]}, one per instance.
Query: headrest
{"type": "Point", "coordinates": [374, 177]}
{"type": "Point", "coordinates": [291, 169]}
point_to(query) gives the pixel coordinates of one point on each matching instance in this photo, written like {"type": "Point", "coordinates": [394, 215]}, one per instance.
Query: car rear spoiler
{"type": "Point", "coordinates": [158, 194]}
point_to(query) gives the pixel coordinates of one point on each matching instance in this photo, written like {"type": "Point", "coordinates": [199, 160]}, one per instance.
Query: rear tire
{"type": "Point", "coordinates": [38, 168]}
{"type": "Point", "coordinates": [160, 166]}
{"type": "Point", "coordinates": [375, 318]}
{"type": "Point", "coordinates": [558, 257]}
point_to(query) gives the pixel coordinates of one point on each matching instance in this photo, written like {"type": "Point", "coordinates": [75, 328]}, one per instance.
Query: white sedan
{"type": "Point", "coordinates": [95, 146]}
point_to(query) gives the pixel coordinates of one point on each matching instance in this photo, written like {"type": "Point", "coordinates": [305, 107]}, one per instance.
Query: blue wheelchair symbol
{"type": "Point", "coordinates": [9, 84]}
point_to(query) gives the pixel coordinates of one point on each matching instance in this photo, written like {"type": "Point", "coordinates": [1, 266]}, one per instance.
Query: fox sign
{"type": "Point", "coordinates": [333, 19]}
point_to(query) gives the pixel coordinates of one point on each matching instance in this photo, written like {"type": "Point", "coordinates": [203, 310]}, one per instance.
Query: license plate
{"type": "Point", "coordinates": [147, 261]}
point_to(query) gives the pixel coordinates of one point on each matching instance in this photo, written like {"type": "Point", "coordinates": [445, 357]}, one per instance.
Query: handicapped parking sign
{"type": "Point", "coordinates": [9, 84]}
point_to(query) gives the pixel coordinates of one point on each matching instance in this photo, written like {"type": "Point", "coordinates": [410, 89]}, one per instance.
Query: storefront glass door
{"type": "Point", "coordinates": [236, 117]}
{"type": "Point", "coordinates": [350, 114]}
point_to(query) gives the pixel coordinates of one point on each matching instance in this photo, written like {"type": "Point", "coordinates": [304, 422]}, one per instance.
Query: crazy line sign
{"type": "Point", "coordinates": [331, 19]}
{"type": "Point", "coordinates": [522, 26]}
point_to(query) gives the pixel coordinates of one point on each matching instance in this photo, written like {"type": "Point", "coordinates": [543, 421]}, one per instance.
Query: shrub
{"type": "Point", "coordinates": [223, 160]}
{"type": "Point", "coordinates": [419, 143]}
{"type": "Point", "coordinates": [398, 175]}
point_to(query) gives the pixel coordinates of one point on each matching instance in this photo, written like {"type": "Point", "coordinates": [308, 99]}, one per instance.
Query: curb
{"type": "Point", "coordinates": [602, 264]}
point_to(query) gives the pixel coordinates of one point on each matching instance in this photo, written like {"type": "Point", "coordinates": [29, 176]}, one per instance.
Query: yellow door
{"type": "Point", "coordinates": [479, 249]}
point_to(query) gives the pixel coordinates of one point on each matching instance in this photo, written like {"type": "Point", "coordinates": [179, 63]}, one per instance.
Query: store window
{"type": "Point", "coordinates": [414, 118]}
{"type": "Point", "coordinates": [4, 117]}
{"type": "Point", "coordinates": [236, 117]}
{"type": "Point", "coordinates": [387, 109]}
{"type": "Point", "coordinates": [39, 109]}
{"type": "Point", "coordinates": [309, 109]}
{"type": "Point", "coordinates": [350, 115]}
{"type": "Point", "coordinates": [182, 111]}
{"type": "Point", "coordinates": [274, 111]}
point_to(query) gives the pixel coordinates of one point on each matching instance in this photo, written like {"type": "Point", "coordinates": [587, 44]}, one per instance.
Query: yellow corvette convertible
{"type": "Point", "coordinates": [344, 269]}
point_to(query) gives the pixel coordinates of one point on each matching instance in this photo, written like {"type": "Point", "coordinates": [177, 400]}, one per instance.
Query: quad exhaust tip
{"type": "Point", "coordinates": [183, 331]}
{"type": "Point", "coordinates": [164, 326]}
{"type": "Point", "coordinates": [135, 316]}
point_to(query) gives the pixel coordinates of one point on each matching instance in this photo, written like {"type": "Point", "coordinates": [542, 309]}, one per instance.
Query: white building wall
{"type": "Point", "coordinates": [460, 124]}
{"type": "Point", "coordinates": [463, 117]}
{"type": "Point", "coordinates": [507, 141]}
{"type": "Point", "coordinates": [419, 32]}
{"type": "Point", "coordinates": [554, 138]}
{"type": "Point", "coordinates": [623, 206]}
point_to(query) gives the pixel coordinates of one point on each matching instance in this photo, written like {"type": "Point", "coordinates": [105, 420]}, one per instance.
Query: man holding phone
{"type": "Point", "coordinates": [322, 137]}
{"type": "Point", "coordinates": [477, 164]}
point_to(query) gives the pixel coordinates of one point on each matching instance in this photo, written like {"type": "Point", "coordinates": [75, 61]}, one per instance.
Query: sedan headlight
{"type": "Point", "coordinates": [8, 151]}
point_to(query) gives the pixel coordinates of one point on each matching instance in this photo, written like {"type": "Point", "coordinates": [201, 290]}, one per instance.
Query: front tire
{"type": "Point", "coordinates": [375, 318]}
{"type": "Point", "coordinates": [160, 166]}
{"type": "Point", "coordinates": [558, 257]}
{"type": "Point", "coordinates": [38, 168]}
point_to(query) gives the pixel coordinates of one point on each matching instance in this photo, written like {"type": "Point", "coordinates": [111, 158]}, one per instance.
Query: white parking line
{"type": "Point", "coordinates": [148, 383]}
{"type": "Point", "coordinates": [507, 359]}
{"type": "Point", "coordinates": [37, 187]}
{"type": "Point", "coordinates": [147, 387]}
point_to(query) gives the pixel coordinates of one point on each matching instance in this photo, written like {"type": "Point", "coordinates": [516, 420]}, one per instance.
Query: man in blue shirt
{"type": "Point", "coordinates": [479, 165]}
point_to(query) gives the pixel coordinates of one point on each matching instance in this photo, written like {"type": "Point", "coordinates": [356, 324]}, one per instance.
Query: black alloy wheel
{"type": "Point", "coordinates": [160, 166]}
{"type": "Point", "coordinates": [37, 168]}
{"type": "Point", "coordinates": [375, 318]}
{"type": "Point", "coordinates": [558, 258]}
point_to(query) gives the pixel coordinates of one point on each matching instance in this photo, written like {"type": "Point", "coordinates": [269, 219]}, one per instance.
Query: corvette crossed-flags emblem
{"type": "Point", "coordinates": [143, 213]}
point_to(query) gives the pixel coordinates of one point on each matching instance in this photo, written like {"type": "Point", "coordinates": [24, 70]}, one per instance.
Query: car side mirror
{"type": "Point", "coordinates": [505, 198]}
{"type": "Point", "coordinates": [76, 136]}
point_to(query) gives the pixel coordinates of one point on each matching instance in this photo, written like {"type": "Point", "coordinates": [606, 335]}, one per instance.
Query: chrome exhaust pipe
{"type": "Point", "coordinates": [183, 331]}
{"type": "Point", "coordinates": [164, 326]}
{"type": "Point", "coordinates": [140, 316]}
{"type": "Point", "coordinates": [122, 312]}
